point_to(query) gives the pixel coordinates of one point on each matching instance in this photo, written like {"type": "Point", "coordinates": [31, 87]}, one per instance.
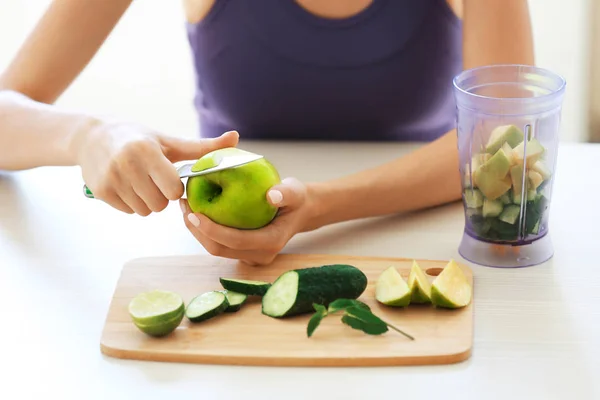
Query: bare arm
{"type": "Point", "coordinates": [495, 31]}
{"type": "Point", "coordinates": [32, 133]}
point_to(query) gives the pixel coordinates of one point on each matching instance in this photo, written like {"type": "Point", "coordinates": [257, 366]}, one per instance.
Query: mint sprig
{"type": "Point", "coordinates": [357, 315]}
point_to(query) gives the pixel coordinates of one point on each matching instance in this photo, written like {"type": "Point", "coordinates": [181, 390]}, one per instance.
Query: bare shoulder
{"type": "Point", "coordinates": [196, 10]}
{"type": "Point", "coordinates": [456, 6]}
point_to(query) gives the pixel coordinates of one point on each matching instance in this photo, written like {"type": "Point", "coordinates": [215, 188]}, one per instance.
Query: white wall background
{"type": "Point", "coordinates": [144, 71]}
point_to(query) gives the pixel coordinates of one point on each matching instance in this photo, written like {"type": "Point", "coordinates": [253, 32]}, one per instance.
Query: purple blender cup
{"type": "Point", "coordinates": [508, 119]}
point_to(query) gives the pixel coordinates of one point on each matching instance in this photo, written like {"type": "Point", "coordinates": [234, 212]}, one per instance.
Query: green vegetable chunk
{"type": "Point", "coordinates": [295, 291]}
{"type": "Point", "coordinates": [243, 286]}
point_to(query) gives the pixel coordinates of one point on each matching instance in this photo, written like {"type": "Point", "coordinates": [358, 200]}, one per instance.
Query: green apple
{"type": "Point", "coordinates": [234, 197]}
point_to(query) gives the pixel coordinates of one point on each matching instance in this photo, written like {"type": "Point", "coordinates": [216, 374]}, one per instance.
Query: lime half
{"type": "Point", "coordinates": [419, 285]}
{"type": "Point", "coordinates": [451, 289]}
{"type": "Point", "coordinates": [157, 312]}
{"type": "Point", "coordinates": [391, 289]}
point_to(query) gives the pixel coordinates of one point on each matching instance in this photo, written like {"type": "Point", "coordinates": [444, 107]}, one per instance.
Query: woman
{"type": "Point", "coordinates": [270, 69]}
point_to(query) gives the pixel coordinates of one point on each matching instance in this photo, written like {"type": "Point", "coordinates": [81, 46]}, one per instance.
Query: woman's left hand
{"type": "Point", "coordinates": [259, 246]}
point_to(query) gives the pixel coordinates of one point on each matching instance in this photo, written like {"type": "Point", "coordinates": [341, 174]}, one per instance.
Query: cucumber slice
{"type": "Point", "coordinates": [510, 214]}
{"type": "Point", "coordinates": [235, 300]}
{"type": "Point", "coordinates": [243, 286]}
{"type": "Point", "coordinates": [492, 208]}
{"type": "Point", "coordinates": [473, 198]}
{"type": "Point", "coordinates": [506, 197]}
{"type": "Point", "coordinates": [205, 306]}
{"type": "Point", "coordinates": [295, 291]}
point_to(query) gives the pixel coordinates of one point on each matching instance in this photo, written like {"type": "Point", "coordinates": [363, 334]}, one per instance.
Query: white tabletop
{"type": "Point", "coordinates": [537, 330]}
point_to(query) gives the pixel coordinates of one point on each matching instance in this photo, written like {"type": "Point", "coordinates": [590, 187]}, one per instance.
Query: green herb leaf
{"type": "Point", "coordinates": [315, 320]}
{"type": "Point", "coordinates": [358, 324]}
{"type": "Point", "coordinates": [373, 319]}
{"type": "Point", "coordinates": [342, 304]}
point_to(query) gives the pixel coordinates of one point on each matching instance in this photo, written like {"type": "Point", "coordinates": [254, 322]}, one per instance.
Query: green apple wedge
{"type": "Point", "coordinates": [391, 289]}
{"type": "Point", "coordinates": [235, 197]}
{"type": "Point", "coordinates": [451, 289]}
{"type": "Point", "coordinates": [420, 287]}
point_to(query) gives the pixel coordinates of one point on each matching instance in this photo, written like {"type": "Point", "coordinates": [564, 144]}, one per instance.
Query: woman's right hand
{"type": "Point", "coordinates": [130, 167]}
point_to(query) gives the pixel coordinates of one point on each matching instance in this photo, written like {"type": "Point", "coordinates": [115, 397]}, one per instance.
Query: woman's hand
{"type": "Point", "coordinates": [260, 246]}
{"type": "Point", "coordinates": [130, 167]}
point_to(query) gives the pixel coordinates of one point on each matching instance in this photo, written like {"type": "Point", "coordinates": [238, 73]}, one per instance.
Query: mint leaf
{"type": "Point", "coordinates": [315, 320]}
{"type": "Point", "coordinates": [342, 304]}
{"type": "Point", "coordinates": [369, 317]}
{"type": "Point", "coordinates": [358, 324]}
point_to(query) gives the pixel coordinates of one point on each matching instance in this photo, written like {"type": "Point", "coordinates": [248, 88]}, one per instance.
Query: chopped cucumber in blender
{"type": "Point", "coordinates": [506, 197]}
{"type": "Point", "coordinates": [492, 208]}
{"type": "Point", "coordinates": [473, 198]}
{"type": "Point", "coordinates": [510, 214]}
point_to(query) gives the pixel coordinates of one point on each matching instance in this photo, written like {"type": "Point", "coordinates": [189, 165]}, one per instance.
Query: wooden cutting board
{"type": "Point", "coordinates": [250, 338]}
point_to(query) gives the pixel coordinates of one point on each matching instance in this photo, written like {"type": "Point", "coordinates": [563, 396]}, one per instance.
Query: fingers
{"type": "Point", "coordinates": [176, 149]}
{"type": "Point", "coordinates": [164, 175]}
{"type": "Point", "coordinates": [251, 257]}
{"type": "Point", "coordinates": [290, 193]}
{"type": "Point", "coordinates": [257, 255]}
{"type": "Point", "coordinates": [130, 197]}
{"type": "Point", "coordinates": [149, 193]}
{"type": "Point", "coordinates": [113, 200]}
{"type": "Point", "coordinates": [270, 238]}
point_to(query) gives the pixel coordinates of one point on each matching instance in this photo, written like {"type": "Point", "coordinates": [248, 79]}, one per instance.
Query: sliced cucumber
{"type": "Point", "coordinates": [473, 198]}
{"type": "Point", "coordinates": [243, 286]}
{"type": "Point", "coordinates": [510, 214]}
{"type": "Point", "coordinates": [295, 291]}
{"type": "Point", "coordinates": [206, 306]}
{"type": "Point", "coordinates": [492, 208]}
{"type": "Point", "coordinates": [235, 300]}
{"type": "Point", "coordinates": [506, 197]}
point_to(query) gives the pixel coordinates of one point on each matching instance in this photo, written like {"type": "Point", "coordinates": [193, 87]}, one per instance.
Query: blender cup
{"type": "Point", "coordinates": [508, 120]}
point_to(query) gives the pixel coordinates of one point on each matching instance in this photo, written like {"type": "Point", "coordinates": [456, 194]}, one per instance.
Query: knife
{"type": "Point", "coordinates": [222, 162]}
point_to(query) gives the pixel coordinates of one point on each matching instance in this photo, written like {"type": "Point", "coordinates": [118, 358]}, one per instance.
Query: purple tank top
{"type": "Point", "coordinates": [274, 71]}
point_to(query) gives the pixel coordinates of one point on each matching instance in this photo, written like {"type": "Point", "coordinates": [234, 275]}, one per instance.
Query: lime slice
{"type": "Point", "coordinates": [161, 328]}
{"type": "Point", "coordinates": [419, 285]}
{"type": "Point", "coordinates": [451, 289]}
{"type": "Point", "coordinates": [391, 289]}
{"type": "Point", "coordinates": [157, 311]}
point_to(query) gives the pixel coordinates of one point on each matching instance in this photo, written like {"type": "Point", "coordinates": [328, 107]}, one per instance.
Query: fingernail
{"type": "Point", "coordinates": [275, 196]}
{"type": "Point", "coordinates": [182, 205]}
{"type": "Point", "coordinates": [194, 220]}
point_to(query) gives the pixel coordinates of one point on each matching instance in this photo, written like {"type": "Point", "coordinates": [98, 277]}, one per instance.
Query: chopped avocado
{"type": "Point", "coordinates": [492, 208]}
{"type": "Point", "coordinates": [507, 149]}
{"type": "Point", "coordinates": [473, 198]}
{"type": "Point", "coordinates": [505, 198]}
{"type": "Point", "coordinates": [534, 151]}
{"type": "Point", "coordinates": [541, 169]}
{"type": "Point", "coordinates": [510, 214]}
{"type": "Point", "coordinates": [516, 176]}
{"type": "Point", "coordinates": [531, 194]}
{"type": "Point", "coordinates": [535, 179]}
{"type": "Point", "coordinates": [509, 134]}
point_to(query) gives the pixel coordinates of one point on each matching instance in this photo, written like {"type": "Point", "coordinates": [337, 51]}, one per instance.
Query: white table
{"type": "Point", "coordinates": [537, 330]}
